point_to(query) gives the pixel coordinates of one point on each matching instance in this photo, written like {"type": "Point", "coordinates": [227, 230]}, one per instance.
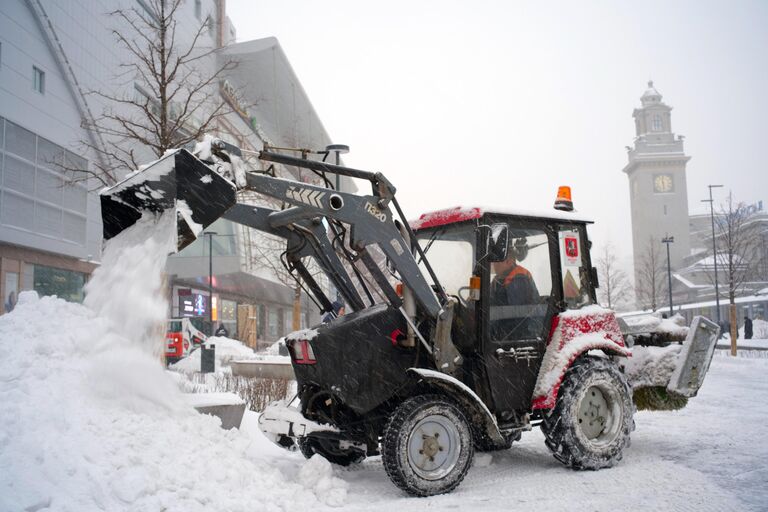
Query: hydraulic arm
{"type": "Point", "coordinates": [202, 192]}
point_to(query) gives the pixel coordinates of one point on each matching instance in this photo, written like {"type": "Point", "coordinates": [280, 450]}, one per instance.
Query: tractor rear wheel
{"type": "Point", "coordinates": [590, 424]}
{"type": "Point", "coordinates": [427, 446]}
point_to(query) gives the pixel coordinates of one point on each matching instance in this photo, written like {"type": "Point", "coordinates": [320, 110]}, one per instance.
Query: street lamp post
{"type": "Point", "coordinates": [714, 246]}
{"type": "Point", "coordinates": [210, 235]}
{"type": "Point", "coordinates": [339, 149]}
{"type": "Point", "coordinates": [669, 240]}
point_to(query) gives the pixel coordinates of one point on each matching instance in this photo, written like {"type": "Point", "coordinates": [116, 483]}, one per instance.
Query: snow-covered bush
{"type": "Point", "coordinates": [257, 393]}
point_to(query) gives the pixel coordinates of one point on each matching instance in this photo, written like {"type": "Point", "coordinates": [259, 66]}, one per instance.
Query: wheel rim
{"type": "Point", "coordinates": [599, 414]}
{"type": "Point", "coordinates": [433, 447]}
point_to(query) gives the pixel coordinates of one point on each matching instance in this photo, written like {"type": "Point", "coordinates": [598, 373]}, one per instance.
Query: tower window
{"type": "Point", "coordinates": [38, 79]}
{"type": "Point", "coordinates": [656, 126]}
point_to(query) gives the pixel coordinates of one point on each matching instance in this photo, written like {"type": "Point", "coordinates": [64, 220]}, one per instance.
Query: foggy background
{"type": "Point", "coordinates": [498, 103]}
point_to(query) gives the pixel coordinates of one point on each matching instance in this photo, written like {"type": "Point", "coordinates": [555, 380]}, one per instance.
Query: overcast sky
{"type": "Point", "coordinates": [498, 103]}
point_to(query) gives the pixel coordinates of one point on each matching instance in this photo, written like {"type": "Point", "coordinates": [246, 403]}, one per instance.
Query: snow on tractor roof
{"type": "Point", "coordinates": [462, 213]}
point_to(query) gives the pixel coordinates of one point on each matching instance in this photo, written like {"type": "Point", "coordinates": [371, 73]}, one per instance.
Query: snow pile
{"type": "Point", "coordinates": [89, 420]}
{"type": "Point", "coordinates": [227, 350]}
{"type": "Point", "coordinates": [759, 329]}
{"type": "Point", "coordinates": [274, 349]}
{"type": "Point", "coordinates": [650, 366]}
{"type": "Point", "coordinates": [676, 326]}
{"type": "Point", "coordinates": [304, 334]}
{"type": "Point", "coordinates": [317, 475]}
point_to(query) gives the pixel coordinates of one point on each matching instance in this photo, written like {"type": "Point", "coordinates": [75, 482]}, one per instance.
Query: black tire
{"type": "Point", "coordinates": [330, 449]}
{"type": "Point", "coordinates": [590, 424]}
{"type": "Point", "coordinates": [435, 463]}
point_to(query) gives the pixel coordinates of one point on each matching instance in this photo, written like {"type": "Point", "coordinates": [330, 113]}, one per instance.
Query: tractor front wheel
{"type": "Point", "coordinates": [590, 424]}
{"type": "Point", "coordinates": [427, 446]}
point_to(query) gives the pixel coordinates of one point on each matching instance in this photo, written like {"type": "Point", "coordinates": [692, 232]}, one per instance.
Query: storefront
{"type": "Point", "coordinates": [47, 274]}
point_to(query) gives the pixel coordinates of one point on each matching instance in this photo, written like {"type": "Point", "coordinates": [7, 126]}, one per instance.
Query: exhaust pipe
{"type": "Point", "coordinates": [178, 181]}
{"type": "Point", "coordinates": [409, 301]}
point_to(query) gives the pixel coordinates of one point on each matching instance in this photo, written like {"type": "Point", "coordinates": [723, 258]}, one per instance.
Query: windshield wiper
{"type": "Point", "coordinates": [430, 242]}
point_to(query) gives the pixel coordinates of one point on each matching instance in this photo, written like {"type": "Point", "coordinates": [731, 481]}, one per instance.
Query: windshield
{"type": "Point", "coordinates": [451, 253]}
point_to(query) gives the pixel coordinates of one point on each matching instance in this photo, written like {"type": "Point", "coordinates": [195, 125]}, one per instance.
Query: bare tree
{"type": "Point", "coordinates": [173, 100]}
{"type": "Point", "coordinates": [614, 284]}
{"type": "Point", "coordinates": [650, 285]}
{"type": "Point", "coordinates": [737, 244]}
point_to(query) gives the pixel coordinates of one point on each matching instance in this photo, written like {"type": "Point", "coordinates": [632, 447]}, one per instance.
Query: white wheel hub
{"type": "Point", "coordinates": [595, 414]}
{"type": "Point", "coordinates": [433, 447]}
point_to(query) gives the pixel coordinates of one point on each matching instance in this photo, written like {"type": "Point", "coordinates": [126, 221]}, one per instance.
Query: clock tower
{"type": "Point", "coordinates": [657, 185]}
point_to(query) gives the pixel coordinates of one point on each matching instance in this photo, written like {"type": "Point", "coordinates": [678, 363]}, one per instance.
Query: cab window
{"type": "Point", "coordinates": [521, 287]}
{"type": "Point", "coordinates": [451, 253]}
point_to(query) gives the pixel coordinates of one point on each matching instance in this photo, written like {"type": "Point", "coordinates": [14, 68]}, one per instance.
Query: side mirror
{"type": "Point", "coordinates": [497, 242]}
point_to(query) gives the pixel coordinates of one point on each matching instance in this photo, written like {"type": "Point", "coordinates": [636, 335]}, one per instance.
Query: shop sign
{"type": "Point", "coordinates": [193, 305]}
{"type": "Point", "coordinates": [229, 93]}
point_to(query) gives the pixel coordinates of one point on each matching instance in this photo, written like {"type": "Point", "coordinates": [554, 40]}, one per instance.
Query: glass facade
{"type": "Point", "coordinates": [35, 196]}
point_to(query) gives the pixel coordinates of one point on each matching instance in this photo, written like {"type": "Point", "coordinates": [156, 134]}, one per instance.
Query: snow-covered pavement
{"type": "Point", "coordinates": [710, 456]}
{"type": "Point", "coordinates": [89, 422]}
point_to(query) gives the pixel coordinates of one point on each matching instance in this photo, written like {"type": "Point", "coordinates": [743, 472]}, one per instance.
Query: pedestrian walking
{"type": "Point", "coordinates": [747, 328]}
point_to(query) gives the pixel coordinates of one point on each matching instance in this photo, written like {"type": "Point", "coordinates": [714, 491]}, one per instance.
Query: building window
{"type": "Point", "coordinates": [38, 79]}
{"type": "Point", "coordinates": [273, 328]}
{"type": "Point", "coordinates": [65, 284]}
{"type": "Point", "coordinates": [34, 194]}
{"type": "Point", "coordinates": [657, 125]}
{"type": "Point", "coordinates": [261, 326]}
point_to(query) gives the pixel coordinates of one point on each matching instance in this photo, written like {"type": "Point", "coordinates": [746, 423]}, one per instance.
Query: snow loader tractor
{"type": "Point", "coordinates": [465, 328]}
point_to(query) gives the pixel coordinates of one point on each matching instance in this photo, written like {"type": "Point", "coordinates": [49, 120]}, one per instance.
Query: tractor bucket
{"type": "Point", "coordinates": [694, 358]}
{"type": "Point", "coordinates": [178, 181]}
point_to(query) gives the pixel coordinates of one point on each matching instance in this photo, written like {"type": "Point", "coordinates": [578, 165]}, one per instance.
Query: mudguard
{"type": "Point", "coordinates": [574, 333]}
{"type": "Point", "coordinates": [477, 410]}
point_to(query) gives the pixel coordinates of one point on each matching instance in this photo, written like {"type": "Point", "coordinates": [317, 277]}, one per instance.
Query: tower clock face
{"type": "Point", "coordinates": [663, 183]}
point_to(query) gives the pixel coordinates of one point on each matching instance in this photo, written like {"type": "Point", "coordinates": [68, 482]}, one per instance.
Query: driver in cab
{"type": "Point", "coordinates": [512, 285]}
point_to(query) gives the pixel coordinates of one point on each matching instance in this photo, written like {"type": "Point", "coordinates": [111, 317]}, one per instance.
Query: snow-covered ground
{"type": "Point", "coordinates": [91, 421]}
{"type": "Point", "coordinates": [87, 423]}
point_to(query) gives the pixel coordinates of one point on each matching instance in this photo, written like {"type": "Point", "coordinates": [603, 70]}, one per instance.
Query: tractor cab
{"type": "Point", "coordinates": [512, 273]}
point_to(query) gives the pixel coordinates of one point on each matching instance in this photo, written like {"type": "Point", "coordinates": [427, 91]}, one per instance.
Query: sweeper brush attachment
{"type": "Point", "coordinates": [177, 181]}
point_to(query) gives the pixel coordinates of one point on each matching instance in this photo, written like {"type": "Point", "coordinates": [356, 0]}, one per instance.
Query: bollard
{"type": "Point", "coordinates": [207, 358]}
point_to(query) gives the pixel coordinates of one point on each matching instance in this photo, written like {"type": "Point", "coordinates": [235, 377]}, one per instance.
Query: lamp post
{"type": "Point", "coordinates": [669, 240]}
{"type": "Point", "coordinates": [210, 235]}
{"type": "Point", "coordinates": [714, 246]}
{"type": "Point", "coordinates": [339, 149]}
